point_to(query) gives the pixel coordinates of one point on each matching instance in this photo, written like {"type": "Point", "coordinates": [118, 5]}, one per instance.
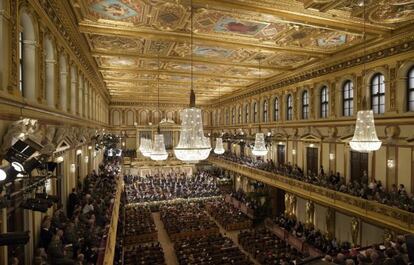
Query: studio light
{"type": "Point", "coordinates": [3, 174]}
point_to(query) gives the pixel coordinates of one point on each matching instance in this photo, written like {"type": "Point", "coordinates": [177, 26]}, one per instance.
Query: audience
{"type": "Point", "coordinates": [186, 219]}
{"type": "Point", "coordinates": [227, 216]}
{"type": "Point", "coordinates": [370, 190]}
{"type": "Point", "coordinates": [311, 235]}
{"type": "Point", "coordinates": [138, 224]}
{"type": "Point", "coordinates": [209, 250]}
{"type": "Point", "coordinates": [267, 248]}
{"type": "Point", "coordinates": [145, 254]}
{"type": "Point", "coordinates": [162, 187]}
{"type": "Point", "coordinates": [77, 240]}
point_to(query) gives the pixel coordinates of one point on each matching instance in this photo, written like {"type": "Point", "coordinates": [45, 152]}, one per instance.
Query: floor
{"type": "Point", "coordinates": [165, 241]}
{"type": "Point", "coordinates": [168, 246]}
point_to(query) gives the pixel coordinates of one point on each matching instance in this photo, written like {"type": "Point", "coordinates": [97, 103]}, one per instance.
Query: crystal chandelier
{"type": "Point", "coordinates": [141, 146]}
{"type": "Point", "coordinates": [147, 147]}
{"type": "Point", "coordinates": [158, 152]}
{"type": "Point", "coordinates": [365, 137]}
{"type": "Point", "coordinates": [219, 146]}
{"type": "Point", "coordinates": [193, 146]}
{"type": "Point", "coordinates": [259, 148]}
{"type": "Point", "coordinates": [219, 150]}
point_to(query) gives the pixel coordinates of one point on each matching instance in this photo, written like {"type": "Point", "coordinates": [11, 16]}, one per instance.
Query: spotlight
{"type": "Point", "coordinates": [45, 196]}
{"type": "Point", "coordinates": [17, 167]}
{"type": "Point", "coordinates": [14, 238]}
{"type": "Point", "coordinates": [59, 159]}
{"type": "Point", "coordinates": [31, 164]}
{"type": "Point", "coordinates": [3, 175]}
{"type": "Point", "coordinates": [20, 151]}
{"type": "Point", "coordinates": [37, 205]}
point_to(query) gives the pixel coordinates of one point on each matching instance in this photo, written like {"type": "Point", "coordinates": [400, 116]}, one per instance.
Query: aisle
{"type": "Point", "coordinates": [165, 241]}
{"type": "Point", "coordinates": [233, 235]}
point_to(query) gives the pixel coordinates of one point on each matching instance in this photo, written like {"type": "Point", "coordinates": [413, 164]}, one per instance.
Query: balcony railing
{"type": "Point", "coordinates": [106, 257]}
{"type": "Point", "coordinates": [372, 211]}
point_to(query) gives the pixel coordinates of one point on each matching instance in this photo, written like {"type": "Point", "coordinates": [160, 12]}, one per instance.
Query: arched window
{"type": "Point", "coordinates": [378, 93]}
{"type": "Point", "coordinates": [410, 89]}
{"type": "Point", "coordinates": [73, 85]}
{"type": "Point", "coordinates": [50, 61]}
{"type": "Point", "coordinates": [289, 108]}
{"type": "Point", "coordinates": [324, 102]}
{"type": "Point", "coordinates": [227, 117]}
{"type": "Point", "coordinates": [348, 98]}
{"type": "Point", "coordinates": [239, 115]}
{"type": "Point", "coordinates": [27, 57]}
{"type": "Point", "coordinates": [305, 105]}
{"type": "Point", "coordinates": [130, 118]}
{"type": "Point", "coordinates": [265, 112]}
{"type": "Point", "coordinates": [63, 82]}
{"type": "Point", "coordinates": [233, 116]}
{"type": "Point", "coordinates": [116, 118]}
{"type": "Point", "coordinates": [255, 112]}
{"type": "Point", "coordinates": [276, 109]}
{"type": "Point", "coordinates": [246, 114]}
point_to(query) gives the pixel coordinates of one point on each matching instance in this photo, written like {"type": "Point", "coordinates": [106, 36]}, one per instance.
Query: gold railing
{"type": "Point", "coordinates": [370, 211]}
{"type": "Point", "coordinates": [111, 238]}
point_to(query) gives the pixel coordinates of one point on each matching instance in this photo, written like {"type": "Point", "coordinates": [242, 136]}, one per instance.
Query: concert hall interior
{"type": "Point", "coordinates": [206, 132]}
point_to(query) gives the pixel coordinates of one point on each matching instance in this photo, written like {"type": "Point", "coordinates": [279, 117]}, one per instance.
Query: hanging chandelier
{"type": "Point", "coordinates": [141, 146]}
{"type": "Point", "coordinates": [147, 147]}
{"type": "Point", "coordinates": [259, 148]}
{"type": "Point", "coordinates": [158, 152]}
{"type": "Point", "coordinates": [365, 137]}
{"type": "Point", "coordinates": [219, 150]}
{"type": "Point", "coordinates": [193, 146]}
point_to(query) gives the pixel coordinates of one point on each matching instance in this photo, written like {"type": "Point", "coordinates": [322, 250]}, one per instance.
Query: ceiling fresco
{"type": "Point", "coordinates": [126, 37]}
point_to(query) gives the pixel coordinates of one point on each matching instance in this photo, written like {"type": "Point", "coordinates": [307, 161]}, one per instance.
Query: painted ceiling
{"type": "Point", "coordinates": [235, 44]}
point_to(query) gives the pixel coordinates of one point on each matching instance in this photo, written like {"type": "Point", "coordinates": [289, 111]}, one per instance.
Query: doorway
{"type": "Point", "coordinates": [312, 160]}
{"type": "Point", "coordinates": [359, 165]}
{"type": "Point", "coordinates": [281, 152]}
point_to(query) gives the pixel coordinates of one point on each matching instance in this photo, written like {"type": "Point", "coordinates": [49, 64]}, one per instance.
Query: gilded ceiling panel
{"type": "Point", "coordinates": [126, 38]}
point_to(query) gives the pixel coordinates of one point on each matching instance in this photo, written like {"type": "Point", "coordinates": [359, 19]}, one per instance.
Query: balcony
{"type": "Point", "coordinates": [371, 211]}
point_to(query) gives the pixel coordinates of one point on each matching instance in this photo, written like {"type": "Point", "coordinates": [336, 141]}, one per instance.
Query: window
{"type": "Point", "coordinates": [305, 105]}
{"type": "Point", "coordinates": [255, 113]}
{"type": "Point", "coordinates": [233, 116]}
{"type": "Point", "coordinates": [227, 117]}
{"type": "Point", "coordinates": [276, 109]}
{"type": "Point", "coordinates": [410, 90]}
{"type": "Point", "coordinates": [239, 115]}
{"type": "Point", "coordinates": [21, 81]}
{"type": "Point", "coordinates": [348, 98]}
{"type": "Point", "coordinates": [265, 119]}
{"type": "Point", "coordinates": [289, 108]}
{"type": "Point", "coordinates": [324, 102]}
{"type": "Point", "coordinates": [246, 113]}
{"type": "Point", "coordinates": [378, 93]}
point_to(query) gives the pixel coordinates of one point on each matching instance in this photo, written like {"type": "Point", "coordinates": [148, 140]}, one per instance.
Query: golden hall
{"type": "Point", "coordinates": [206, 132]}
